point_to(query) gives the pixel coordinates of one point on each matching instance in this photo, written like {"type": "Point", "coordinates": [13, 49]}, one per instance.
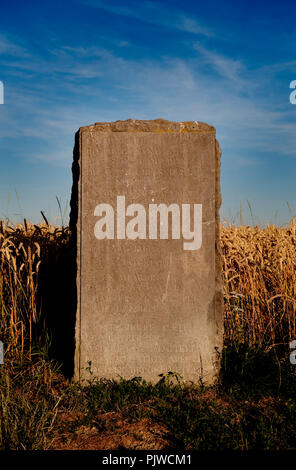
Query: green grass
{"type": "Point", "coordinates": [27, 406]}
{"type": "Point", "coordinates": [250, 407]}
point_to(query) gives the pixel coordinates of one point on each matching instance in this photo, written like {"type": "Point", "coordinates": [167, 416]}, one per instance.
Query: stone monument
{"type": "Point", "coordinates": [145, 222]}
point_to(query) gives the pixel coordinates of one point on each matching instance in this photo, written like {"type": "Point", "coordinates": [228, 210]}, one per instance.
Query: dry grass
{"type": "Point", "coordinates": [259, 271]}
{"type": "Point", "coordinates": [259, 267]}
{"type": "Point", "coordinates": [23, 247]}
{"type": "Point", "coordinates": [28, 404]}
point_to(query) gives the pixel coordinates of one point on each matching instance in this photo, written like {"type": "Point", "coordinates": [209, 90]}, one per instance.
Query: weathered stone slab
{"type": "Point", "coordinates": [149, 291]}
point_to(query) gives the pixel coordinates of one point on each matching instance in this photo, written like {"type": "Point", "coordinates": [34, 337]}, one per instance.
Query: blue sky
{"type": "Point", "coordinates": [72, 63]}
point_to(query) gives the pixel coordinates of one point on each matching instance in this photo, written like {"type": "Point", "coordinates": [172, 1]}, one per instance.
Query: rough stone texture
{"type": "Point", "coordinates": [146, 307]}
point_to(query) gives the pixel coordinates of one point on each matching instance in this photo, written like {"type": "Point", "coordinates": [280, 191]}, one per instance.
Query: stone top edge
{"type": "Point", "coordinates": [155, 125]}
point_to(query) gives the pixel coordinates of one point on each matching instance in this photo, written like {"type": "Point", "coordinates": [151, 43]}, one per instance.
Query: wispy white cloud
{"type": "Point", "coordinates": [154, 13]}
{"type": "Point", "coordinates": [190, 25]}
{"type": "Point", "coordinates": [226, 67]}
{"type": "Point", "coordinates": [81, 85]}
{"type": "Point", "coordinates": [91, 51]}
{"type": "Point", "coordinates": [11, 48]}
{"type": "Point", "coordinates": [279, 67]}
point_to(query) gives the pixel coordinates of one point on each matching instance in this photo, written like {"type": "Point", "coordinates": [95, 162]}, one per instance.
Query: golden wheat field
{"type": "Point", "coordinates": [259, 274]}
